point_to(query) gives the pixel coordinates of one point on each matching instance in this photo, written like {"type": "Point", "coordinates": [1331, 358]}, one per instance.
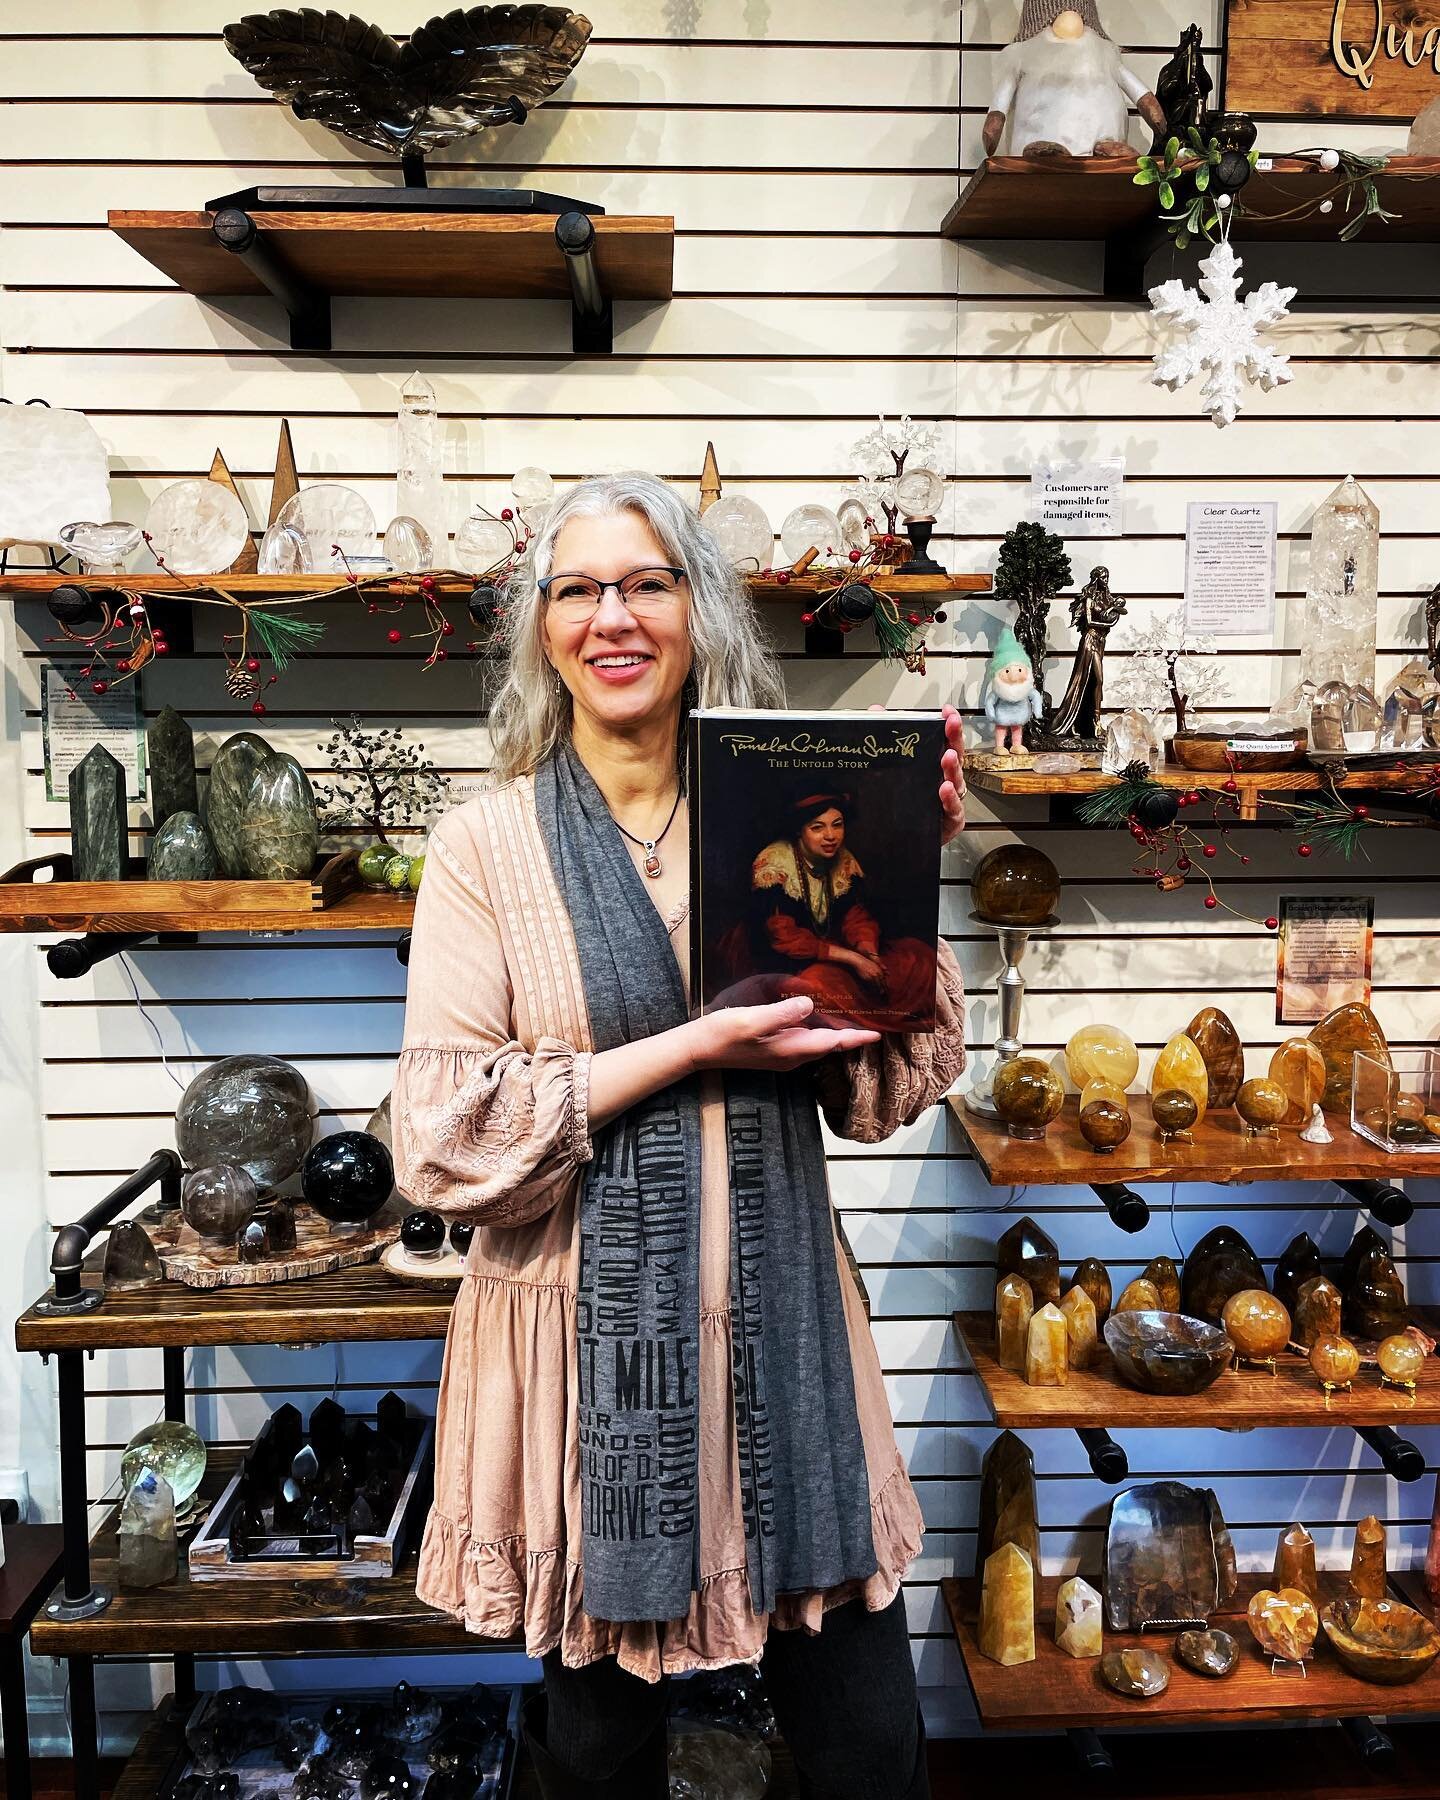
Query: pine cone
{"type": "Point", "coordinates": [240, 684]}
{"type": "Point", "coordinates": [1136, 771]}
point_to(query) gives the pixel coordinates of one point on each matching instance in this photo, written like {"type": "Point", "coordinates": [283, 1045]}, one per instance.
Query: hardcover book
{"type": "Point", "coordinates": [815, 863]}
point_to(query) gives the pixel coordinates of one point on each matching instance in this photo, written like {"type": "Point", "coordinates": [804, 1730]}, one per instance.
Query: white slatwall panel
{"type": "Point", "coordinates": [808, 154]}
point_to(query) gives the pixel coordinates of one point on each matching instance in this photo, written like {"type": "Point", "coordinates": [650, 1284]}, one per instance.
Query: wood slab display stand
{"type": "Point", "coordinates": [1030, 783]}
{"type": "Point", "coordinates": [320, 1249]}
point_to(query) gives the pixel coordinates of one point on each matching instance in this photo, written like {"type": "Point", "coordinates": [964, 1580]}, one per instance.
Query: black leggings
{"type": "Point", "coordinates": [844, 1700]}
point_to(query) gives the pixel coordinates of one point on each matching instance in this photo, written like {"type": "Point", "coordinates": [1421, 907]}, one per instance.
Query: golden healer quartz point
{"type": "Point", "coordinates": [1031, 1253]}
{"type": "Point", "coordinates": [1007, 1607]}
{"type": "Point", "coordinates": [1337, 1037]}
{"type": "Point", "coordinates": [1367, 1560]}
{"type": "Point", "coordinates": [1180, 1066]}
{"type": "Point", "coordinates": [1164, 1277]}
{"type": "Point", "coordinates": [1047, 1355]}
{"type": "Point", "coordinates": [1102, 1053]}
{"type": "Point", "coordinates": [1317, 1312]}
{"type": "Point", "coordinates": [1094, 1277]}
{"type": "Point", "coordinates": [1295, 1562]}
{"type": "Point", "coordinates": [1221, 1051]}
{"type": "Point", "coordinates": [1079, 1619]}
{"type": "Point", "coordinates": [1139, 1296]}
{"type": "Point", "coordinates": [1284, 1623]}
{"type": "Point", "coordinates": [1298, 1069]}
{"type": "Point", "coordinates": [1014, 1308]}
{"type": "Point", "coordinates": [1082, 1334]}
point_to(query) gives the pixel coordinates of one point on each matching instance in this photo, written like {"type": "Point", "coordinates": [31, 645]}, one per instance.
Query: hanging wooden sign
{"type": "Point", "coordinates": [1344, 59]}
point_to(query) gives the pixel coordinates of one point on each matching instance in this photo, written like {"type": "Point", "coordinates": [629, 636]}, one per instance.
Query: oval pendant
{"type": "Point", "coordinates": [652, 862]}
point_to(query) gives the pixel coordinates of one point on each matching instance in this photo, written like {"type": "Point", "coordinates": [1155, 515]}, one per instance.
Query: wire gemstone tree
{"type": "Point", "coordinates": [1165, 671]}
{"type": "Point", "coordinates": [381, 783]}
{"type": "Point", "coordinates": [1033, 568]}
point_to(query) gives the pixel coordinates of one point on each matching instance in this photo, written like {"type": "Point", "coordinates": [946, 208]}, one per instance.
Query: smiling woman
{"type": "Point", "coordinates": [651, 1206]}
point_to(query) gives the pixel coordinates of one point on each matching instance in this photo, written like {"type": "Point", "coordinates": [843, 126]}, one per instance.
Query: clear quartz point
{"type": "Point", "coordinates": [1410, 708]}
{"type": "Point", "coordinates": [1130, 738]}
{"type": "Point", "coordinates": [1341, 597]}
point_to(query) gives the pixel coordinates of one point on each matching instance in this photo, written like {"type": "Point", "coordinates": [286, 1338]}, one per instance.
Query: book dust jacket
{"type": "Point", "coordinates": [815, 863]}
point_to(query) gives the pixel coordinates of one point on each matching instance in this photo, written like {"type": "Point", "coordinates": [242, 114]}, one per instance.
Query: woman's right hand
{"type": "Point", "coordinates": [773, 1037]}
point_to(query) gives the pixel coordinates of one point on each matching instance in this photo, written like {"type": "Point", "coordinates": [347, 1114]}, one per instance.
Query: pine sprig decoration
{"type": "Point", "coordinates": [283, 634]}
{"type": "Point", "coordinates": [1333, 826]}
{"type": "Point", "coordinates": [380, 783]}
{"type": "Point", "coordinates": [1116, 806]}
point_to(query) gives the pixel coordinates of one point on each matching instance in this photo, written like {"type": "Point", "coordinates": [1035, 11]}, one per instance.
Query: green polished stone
{"type": "Point", "coordinates": [98, 817]}
{"type": "Point", "coordinates": [181, 850]}
{"type": "Point", "coordinates": [170, 752]}
{"type": "Point", "coordinates": [279, 836]}
{"type": "Point", "coordinates": [231, 773]}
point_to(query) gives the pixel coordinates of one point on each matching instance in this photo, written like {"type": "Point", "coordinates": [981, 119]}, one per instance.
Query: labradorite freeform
{"type": "Point", "coordinates": [231, 773]}
{"type": "Point", "coordinates": [98, 818]}
{"type": "Point", "coordinates": [181, 850]}
{"type": "Point", "coordinates": [279, 836]}
{"type": "Point", "coordinates": [170, 752]}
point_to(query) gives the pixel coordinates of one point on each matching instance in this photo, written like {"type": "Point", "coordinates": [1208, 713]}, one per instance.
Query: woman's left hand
{"type": "Point", "coordinates": [952, 777]}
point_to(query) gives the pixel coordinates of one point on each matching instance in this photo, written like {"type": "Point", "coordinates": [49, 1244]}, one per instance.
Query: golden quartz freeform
{"type": "Point", "coordinates": [1367, 1560]}
{"type": "Point", "coordinates": [1295, 1562]}
{"type": "Point", "coordinates": [1007, 1607]}
{"type": "Point", "coordinates": [1014, 1308]}
{"type": "Point", "coordinates": [1047, 1356]}
{"type": "Point", "coordinates": [1139, 1296]}
{"type": "Point", "coordinates": [1164, 1277]}
{"type": "Point", "coordinates": [1082, 1333]}
{"type": "Point", "coordinates": [1223, 1054]}
{"type": "Point", "coordinates": [1181, 1068]}
{"type": "Point", "coordinates": [1284, 1623]}
{"type": "Point", "coordinates": [1337, 1037]}
{"type": "Point", "coordinates": [1102, 1053]}
{"type": "Point", "coordinates": [1079, 1619]}
{"type": "Point", "coordinates": [1298, 1069]}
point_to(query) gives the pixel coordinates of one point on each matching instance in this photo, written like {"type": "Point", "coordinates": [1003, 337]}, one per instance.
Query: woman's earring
{"type": "Point", "coordinates": [559, 684]}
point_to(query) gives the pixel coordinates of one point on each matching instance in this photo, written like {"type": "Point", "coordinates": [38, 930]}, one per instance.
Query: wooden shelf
{"type": "Point", "coordinates": [449, 585]}
{"type": "Point", "coordinates": [244, 1617]}
{"type": "Point", "coordinates": [149, 906]}
{"type": "Point", "coordinates": [357, 1305]}
{"type": "Point", "coordinates": [1095, 199]}
{"type": "Point", "coordinates": [454, 256]}
{"type": "Point", "coordinates": [159, 1755]}
{"type": "Point", "coordinates": [1032, 783]}
{"type": "Point", "coordinates": [1096, 1398]}
{"type": "Point", "coordinates": [1058, 1692]}
{"type": "Point", "coordinates": [1221, 1152]}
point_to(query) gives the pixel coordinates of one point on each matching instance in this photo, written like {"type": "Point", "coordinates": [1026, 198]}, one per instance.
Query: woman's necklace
{"type": "Point", "coordinates": [651, 846]}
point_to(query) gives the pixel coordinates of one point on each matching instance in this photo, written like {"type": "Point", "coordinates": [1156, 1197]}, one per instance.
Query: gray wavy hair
{"type": "Point", "coordinates": [734, 664]}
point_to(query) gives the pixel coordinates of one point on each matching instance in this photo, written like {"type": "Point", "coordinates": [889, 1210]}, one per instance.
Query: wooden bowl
{"type": "Point", "coordinates": [1209, 752]}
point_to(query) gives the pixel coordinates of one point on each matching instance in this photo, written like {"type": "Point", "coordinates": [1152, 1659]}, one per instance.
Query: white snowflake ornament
{"type": "Point", "coordinates": [1222, 339]}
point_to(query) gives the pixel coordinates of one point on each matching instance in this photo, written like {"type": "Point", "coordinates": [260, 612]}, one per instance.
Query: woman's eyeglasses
{"type": "Point", "coordinates": [644, 592]}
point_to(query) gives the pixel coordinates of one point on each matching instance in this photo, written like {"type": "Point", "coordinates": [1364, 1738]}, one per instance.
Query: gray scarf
{"type": "Point", "coordinates": [803, 1482]}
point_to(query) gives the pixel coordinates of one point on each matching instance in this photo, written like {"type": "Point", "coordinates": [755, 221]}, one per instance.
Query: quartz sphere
{"type": "Point", "coordinates": [809, 527]}
{"type": "Point", "coordinates": [1028, 1094]}
{"type": "Point", "coordinates": [1401, 1359]}
{"type": "Point", "coordinates": [920, 492]}
{"type": "Point", "coordinates": [743, 531]}
{"type": "Point", "coordinates": [1174, 1111]}
{"type": "Point", "coordinates": [348, 1177]}
{"type": "Point", "coordinates": [1262, 1104]}
{"type": "Point", "coordinates": [854, 524]}
{"type": "Point", "coordinates": [1335, 1360]}
{"type": "Point", "coordinates": [423, 1233]}
{"type": "Point", "coordinates": [534, 491]}
{"type": "Point", "coordinates": [171, 1449]}
{"type": "Point", "coordinates": [481, 544]}
{"type": "Point", "coordinates": [408, 545]}
{"type": "Point", "coordinates": [218, 1202]}
{"type": "Point", "coordinates": [1102, 1053]}
{"type": "Point", "coordinates": [1015, 884]}
{"type": "Point", "coordinates": [1256, 1323]}
{"type": "Point", "coordinates": [1104, 1125]}
{"type": "Point", "coordinates": [251, 1112]}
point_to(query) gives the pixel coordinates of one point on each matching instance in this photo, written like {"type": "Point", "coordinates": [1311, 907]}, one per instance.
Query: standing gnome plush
{"type": "Point", "coordinates": [1012, 700]}
{"type": "Point", "coordinates": [1064, 88]}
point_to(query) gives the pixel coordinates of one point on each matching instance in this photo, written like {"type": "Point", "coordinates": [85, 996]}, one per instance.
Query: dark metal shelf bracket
{"type": "Point", "coordinates": [592, 317]}
{"type": "Point", "coordinates": [1391, 1205]}
{"type": "Point", "coordinates": [1126, 1208]}
{"type": "Point", "coordinates": [307, 306]}
{"type": "Point", "coordinates": [1402, 1459]}
{"type": "Point", "coordinates": [1107, 1458]}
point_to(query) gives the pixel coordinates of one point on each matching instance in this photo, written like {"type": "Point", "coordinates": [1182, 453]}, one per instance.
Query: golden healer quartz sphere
{"type": "Point", "coordinates": [1028, 1094]}
{"type": "Point", "coordinates": [1256, 1323]}
{"type": "Point", "coordinates": [1102, 1053]}
{"type": "Point", "coordinates": [1401, 1358]}
{"type": "Point", "coordinates": [1335, 1360]}
{"type": "Point", "coordinates": [1104, 1125]}
{"type": "Point", "coordinates": [1015, 885]}
{"type": "Point", "coordinates": [1262, 1104]}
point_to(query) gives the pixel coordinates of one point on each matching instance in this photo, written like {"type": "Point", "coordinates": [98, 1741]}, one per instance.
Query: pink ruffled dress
{"type": "Point", "coordinates": [489, 1119]}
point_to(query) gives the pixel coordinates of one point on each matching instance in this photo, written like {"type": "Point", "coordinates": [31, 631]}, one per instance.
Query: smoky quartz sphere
{"type": "Point", "coordinates": [251, 1112]}
{"type": "Point", "coordinates": [218, 1202]}
{"type": "Point", "coordinates": [1015, 885]}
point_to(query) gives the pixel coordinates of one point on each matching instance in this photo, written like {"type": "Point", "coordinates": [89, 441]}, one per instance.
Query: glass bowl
{"type": "Point", "coordinates": [1167, 1353]}
{"type": "Point", "coordinates": [1381, 1640]}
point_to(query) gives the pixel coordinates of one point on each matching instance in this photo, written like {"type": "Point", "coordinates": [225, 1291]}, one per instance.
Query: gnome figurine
{"type": "Point", "coordinates": [1012, 699]}
{"type": "Point", "coordinates": [1064, 88]}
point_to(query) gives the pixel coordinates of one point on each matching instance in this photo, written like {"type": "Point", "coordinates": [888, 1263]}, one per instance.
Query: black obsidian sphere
{"type": "Point", "coordinates": [423, 1233]}
{"type": "Point", "coordinates": [460, 1236]}
{"type": "Point", "coordinates": [347, 1177]}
